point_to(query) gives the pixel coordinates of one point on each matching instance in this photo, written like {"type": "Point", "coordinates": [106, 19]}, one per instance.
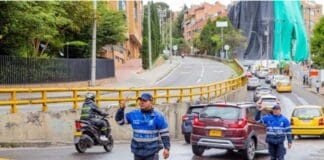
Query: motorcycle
{"type": "Point", "coordinates": [182, 55]}
{"type": "Point", "coordinates": [88, 135]}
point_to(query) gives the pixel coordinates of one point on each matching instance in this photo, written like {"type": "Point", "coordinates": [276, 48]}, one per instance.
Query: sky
{"type": "Point", "coordinates": [176, 5]}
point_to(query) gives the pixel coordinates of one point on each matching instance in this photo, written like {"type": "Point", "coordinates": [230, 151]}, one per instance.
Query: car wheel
{"type": "Point", "coordinates": [198, 150]}
{"type": "Point", "coordinates": [249, 152]}
{"type": "Point", "coordinates": [299, 137]}
{"type": "Point", "coordinates": [187, 138]}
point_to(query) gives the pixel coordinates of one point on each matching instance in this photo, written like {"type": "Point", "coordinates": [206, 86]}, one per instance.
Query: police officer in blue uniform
{"type": "Point", "coordinates": [278, 128]}
{"type": "Point", "coordinates": [148, 126]}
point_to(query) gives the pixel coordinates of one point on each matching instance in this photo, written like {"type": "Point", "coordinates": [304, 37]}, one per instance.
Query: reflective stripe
{"type": "Point", "coordinates": [86, 108]}
{"type": "Point", "coordinates": [84, 115]}
{"type": "Point", "coordinates": [145, 131]}
{"type": "Point", "coordinates": [281, 128]}
{"type": "Point", "coordinates": [164, 134]}
{"type": "Point", "coordinates": [146, 139]}
{"type": "Point", "coordinates": [273, 133]}
{"type": "Point", "coordinates": [121, 121]}
{"type": "Point", "coordinates": [164, 130]}
{"type": "Point", "coordinates": [103, 129]}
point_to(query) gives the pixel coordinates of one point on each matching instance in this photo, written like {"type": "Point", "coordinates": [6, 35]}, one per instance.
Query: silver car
{"type": "Point", "coordinates": [253, 83]}
{"type": "Point", "coordinates": [275, 80]}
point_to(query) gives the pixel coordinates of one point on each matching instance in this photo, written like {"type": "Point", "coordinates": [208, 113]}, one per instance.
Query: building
{"type": "Point", "coordinates": [197, 16]}
{"type": "Point", "coordinates": [312, 13]}
{"type": "Point", "coordinates": [131, 48]}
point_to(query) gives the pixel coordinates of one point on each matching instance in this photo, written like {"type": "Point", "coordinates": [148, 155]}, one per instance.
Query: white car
{"type": "Point", "coordinates": [275, 80]}
{"type": "Point", "coordinates": [268, 101]}
{"type": "Point", "coordinates": [263, 73]}
{"type": "Point", "coordinates": [253, 83]}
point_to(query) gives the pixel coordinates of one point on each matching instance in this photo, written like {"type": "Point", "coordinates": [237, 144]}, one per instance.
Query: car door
{"type": "Point", "coordinates": [258, 128]}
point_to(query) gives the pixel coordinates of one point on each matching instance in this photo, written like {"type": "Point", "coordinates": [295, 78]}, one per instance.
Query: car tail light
{"type": "Point", "coordinates": [185, 117]}
{"type": "Point", "coordinates": [321, 122]}
{"type": "Point", "coordinates": [196, 122]}
{"type": "Point", "coordinates": [77, 125]}
{"type": "Point", "coordinates": [239, 123]}
{"type": "Point", "coordinates": [291, 121]}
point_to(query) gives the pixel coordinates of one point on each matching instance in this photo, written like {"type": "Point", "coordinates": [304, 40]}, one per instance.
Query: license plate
{"type": "Point", "coordinates": [215, 133]}
{"type": "Point", "coordinates": [77, 133]}
{"type": "Point", "coordinates": [306, 121]}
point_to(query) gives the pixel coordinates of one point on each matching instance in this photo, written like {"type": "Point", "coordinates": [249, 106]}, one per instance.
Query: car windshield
{"type": "Point", "coordinates": [253, 80]}
{"type": "Point", "coordinates": [195, 110]}
{"type": "Point", "coordinates": [269, 100]}
{"type": "Point", "coordinates": [307, 112]}
{"type": "Point", "coordinates": [225, 113]}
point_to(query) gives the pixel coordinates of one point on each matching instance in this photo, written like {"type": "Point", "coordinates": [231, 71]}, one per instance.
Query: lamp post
{"type": "Point", "coordinates": [94, 41]}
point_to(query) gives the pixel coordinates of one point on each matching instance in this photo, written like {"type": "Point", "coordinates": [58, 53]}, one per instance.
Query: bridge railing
{"type": "Point", "coordinates": [45, 96]}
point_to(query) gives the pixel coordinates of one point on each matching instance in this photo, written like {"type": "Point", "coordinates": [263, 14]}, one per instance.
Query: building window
{"type": "Point", "coordinates": [122, 5]}
{"type": "Point", "coordinates": [135, 10]}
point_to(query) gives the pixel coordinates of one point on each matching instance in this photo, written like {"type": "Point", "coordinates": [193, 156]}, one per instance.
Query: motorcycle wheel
{"type": "Point", "coordinates": [108, 147]}
{"type": "Point", "coordinates": [81, 147]}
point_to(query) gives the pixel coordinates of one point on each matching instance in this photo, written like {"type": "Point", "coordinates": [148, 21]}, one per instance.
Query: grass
{"type": "Point", "coordinates": [235, 67]}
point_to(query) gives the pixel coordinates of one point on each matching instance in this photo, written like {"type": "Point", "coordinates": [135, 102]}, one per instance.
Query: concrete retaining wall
{"type": "Point", "coordinates": [58, 127]}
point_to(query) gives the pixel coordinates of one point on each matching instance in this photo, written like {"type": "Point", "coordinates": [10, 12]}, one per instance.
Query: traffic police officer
{"type": "Point", "coordinates": [278, 128]}
{"type": "Point", "coordinates": [148, 126]}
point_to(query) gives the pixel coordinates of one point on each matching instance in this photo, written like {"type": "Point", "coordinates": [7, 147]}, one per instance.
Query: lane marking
{"type": "Point", "coordinates": [202, 73]}
{"type": "Point", "coordinates": [167, 76]}
{"type": "Point", "coordinates": [301, 100]}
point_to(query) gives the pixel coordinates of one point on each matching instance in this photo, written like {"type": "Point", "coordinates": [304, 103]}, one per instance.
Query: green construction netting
{"type": "Point", "coordinates": [290, 39]}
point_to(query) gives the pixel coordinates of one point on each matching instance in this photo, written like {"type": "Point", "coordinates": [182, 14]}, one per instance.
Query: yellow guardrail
{"type": "Point", "coordinates": [45, 96]}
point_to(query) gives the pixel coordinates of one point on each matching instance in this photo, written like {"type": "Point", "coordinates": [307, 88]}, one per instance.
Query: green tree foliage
{"type": "Point", "coordinates": [111, 26]}
{"type": "Point", "coordinates": [43, 28]}
{"type": "Point", "coordinates": [155, 36]}
{"type": "Point", "coordinates": [209, 40]}
{"type": "Point", "coordinates": [317, 45]}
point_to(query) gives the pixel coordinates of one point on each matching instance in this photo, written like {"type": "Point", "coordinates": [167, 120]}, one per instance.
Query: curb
{"type": "Point", "coordinates": [169, 72]}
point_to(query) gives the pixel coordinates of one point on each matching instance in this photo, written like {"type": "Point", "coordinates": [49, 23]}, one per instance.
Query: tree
{"type": "Point", "coordinates": [111, 26]}
{"type": "Point", "coordinates": [210, 42]}
{"type": "Point", "coordinates": [155, 36]}
{"type": "Point", "coordinates": [317, 45]}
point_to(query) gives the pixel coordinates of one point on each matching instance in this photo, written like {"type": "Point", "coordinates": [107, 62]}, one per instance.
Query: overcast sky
{"type": "Point", "coordinates": [176, 5]}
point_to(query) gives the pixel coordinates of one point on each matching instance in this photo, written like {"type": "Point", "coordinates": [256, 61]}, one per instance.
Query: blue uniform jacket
{"type": "Point", "coordinates": [278, 128]}
{"type": "Point", "coordinates": [148, 127]}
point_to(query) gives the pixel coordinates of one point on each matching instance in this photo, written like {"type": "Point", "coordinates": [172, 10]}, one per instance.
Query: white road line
{"type": "Point", "coordinates": [301, 100]}
{"type": "Point", "coordinates": [202, 73]}
{"type": "Point", "coordinates": [167, 76]}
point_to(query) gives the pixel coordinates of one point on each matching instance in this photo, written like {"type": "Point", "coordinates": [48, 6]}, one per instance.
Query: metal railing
{"type": "Point", "coordinates": [45, 96]}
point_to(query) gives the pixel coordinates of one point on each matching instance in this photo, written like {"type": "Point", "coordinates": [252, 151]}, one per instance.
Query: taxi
{"type": "Point", "coordinates": [284, 85]}
{"type": "Point", "coordinates": [307, 120]}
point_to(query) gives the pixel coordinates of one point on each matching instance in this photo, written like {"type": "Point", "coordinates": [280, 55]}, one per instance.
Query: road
{"type": "Point", "coordinates": [305, 149]}
{"type": "Point", "coordinates": [195, 71]}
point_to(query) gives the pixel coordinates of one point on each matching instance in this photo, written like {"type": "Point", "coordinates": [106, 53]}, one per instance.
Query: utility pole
{"type": "Point", "coordinates": [222, 24]}
{"type": "Point", "coordinates": [170, 36]}
{"type": "Point", "coordinates": [94, 41]}
{"type": "Point", "coordinates": [149, 34]}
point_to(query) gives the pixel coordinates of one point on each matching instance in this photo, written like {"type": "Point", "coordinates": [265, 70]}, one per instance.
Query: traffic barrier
{"type": "Point", "coordinates": [160, 94]}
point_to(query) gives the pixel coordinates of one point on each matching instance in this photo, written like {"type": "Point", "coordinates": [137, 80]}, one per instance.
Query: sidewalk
{"type": "Point", "coordinates": [309, 89]}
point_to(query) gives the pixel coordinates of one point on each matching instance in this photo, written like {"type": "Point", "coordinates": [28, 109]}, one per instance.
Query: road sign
{"type": "Point", "coordinates": [226, 47]}
{"type": "Point", "coordinates": [175, 47]}
{"type": "Point", "coordinates": [221, 24]}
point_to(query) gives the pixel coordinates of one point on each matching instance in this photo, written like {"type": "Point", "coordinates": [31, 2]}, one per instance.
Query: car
{"type": "Point", "coordinates": [249, 75]}
{"type": "Point", "coordinates": [268, 101]}
{"type": "Point", "coordinates": [268, 79]}
{"type": "Point", "coordinates": [275, 79]}
{"type": "Point", "coordinates": [284, 85]}
{"type": "Point", "coordinates": [307, 120]}
{"type": "Point", "coordinates": [253, 83]}
{"type": "Point", "coordinates": [260, 91]}
{"type": "Point", "coordinates": [262, 73]}
{"type": "Point", "coordinates": [229, 126]}
{"type": "Point", "coordinates": [186, 126]}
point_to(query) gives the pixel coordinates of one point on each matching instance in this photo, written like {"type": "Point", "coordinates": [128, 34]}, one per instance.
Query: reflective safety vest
{"type": "Point", "coordinates": [278, 127]}
{"type": "Point", "coordinates": [148, 127]}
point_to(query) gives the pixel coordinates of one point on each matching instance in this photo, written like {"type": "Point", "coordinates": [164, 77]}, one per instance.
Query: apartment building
{"type": "Point", "coordinates": [197, 16]}
{"type": "Point", "coordinates": [131, 48]}
{"type": "Point", "coordinates": [312, 13]}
